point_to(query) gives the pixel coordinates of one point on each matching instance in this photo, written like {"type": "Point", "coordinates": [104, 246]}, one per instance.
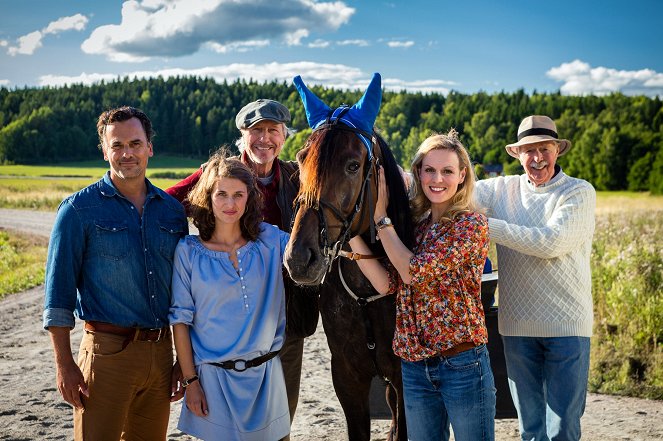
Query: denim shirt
{"type": "Point", "coordinates": [107, 263]}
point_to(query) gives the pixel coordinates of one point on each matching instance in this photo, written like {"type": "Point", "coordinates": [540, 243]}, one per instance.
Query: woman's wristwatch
{"type": "Point", "coordinates": [188, 381]}
{"type": "Point", "coordinates": [383, 223]}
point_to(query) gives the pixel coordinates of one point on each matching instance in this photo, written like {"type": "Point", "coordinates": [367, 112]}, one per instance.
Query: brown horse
{"type": "Point", "coordinates": [336, 202]}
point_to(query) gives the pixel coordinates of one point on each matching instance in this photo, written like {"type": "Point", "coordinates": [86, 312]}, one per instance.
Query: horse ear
{"type": "Point", "coordinates": [316, 110]}
{"type": "Point", "coordinates": [365, 111]}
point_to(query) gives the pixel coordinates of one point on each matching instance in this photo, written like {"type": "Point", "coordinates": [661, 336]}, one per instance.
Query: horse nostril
{"type": "Point", "coordinates": [311, 258]}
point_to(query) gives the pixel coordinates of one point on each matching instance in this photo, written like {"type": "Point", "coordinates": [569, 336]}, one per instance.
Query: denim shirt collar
{"type": "Point", "coordinates": [108, 189]}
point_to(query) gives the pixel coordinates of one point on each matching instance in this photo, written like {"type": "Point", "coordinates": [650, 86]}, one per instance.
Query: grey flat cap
{"type": "Point", "coordinates": [259, 110]}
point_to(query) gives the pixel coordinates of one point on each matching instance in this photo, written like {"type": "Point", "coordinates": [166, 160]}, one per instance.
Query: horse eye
{"type": "Point", "coordinates": [353, 167]}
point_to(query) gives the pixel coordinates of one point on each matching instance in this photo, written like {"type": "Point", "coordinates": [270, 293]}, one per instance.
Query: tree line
{"type": "Point", "coordinates": [618, 140]}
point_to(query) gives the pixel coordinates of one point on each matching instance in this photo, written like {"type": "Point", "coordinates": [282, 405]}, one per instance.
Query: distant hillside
{"type": "Point", "coordinates": [618, 140]}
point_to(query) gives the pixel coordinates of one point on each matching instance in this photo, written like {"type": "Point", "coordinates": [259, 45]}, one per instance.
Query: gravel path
{"type": "Point", "coordinates": [31, 407]}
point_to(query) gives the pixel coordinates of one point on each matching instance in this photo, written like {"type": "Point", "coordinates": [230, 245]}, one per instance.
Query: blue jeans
{"type": "Point", "coordinates": [441, 390]}
{"type": "Point", "coordinates": [548, 382]}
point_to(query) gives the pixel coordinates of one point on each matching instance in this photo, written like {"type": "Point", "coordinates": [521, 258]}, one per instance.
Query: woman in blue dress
{"type": "Point", "coordinates": [228, 311]}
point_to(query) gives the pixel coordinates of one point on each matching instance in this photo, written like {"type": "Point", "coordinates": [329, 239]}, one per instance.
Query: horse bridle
{"type": "Point", "coordinates": [331, 251]}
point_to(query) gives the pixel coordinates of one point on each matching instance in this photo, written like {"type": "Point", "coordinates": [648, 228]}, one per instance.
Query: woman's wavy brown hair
{"type": "Point", "coordinates": [463, 200]}
{"type": "Point", "coordinates": [221, 165]}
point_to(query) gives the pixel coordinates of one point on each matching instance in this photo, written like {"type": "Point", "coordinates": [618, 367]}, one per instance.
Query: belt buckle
{"type": "Point", "coordinates": [160, 330]}
{"type": "Point", "coordinates": [243, 365]}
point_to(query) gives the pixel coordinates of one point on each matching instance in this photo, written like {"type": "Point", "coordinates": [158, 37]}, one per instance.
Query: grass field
{"type": "Point", "coordinates": [42, 187]}
{"type": "Point", "coordinates": [96, 168]}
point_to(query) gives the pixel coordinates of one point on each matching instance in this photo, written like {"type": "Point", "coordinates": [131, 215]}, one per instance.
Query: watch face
{"type": "Point", "coordinates": [386, 221]}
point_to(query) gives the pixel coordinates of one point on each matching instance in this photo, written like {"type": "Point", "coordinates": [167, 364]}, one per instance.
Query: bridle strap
{"type": "Point", "coordinates": [368, 326]}
{"type": "Point", "coordinates": [357, 256]}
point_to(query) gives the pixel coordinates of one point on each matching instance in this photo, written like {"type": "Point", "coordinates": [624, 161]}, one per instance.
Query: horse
{"type": "Point", "coordinates": [338, 191]}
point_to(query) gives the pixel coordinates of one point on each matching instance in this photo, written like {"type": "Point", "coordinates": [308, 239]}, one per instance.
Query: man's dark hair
{"type": "Point", "coordinates": [120, 114]}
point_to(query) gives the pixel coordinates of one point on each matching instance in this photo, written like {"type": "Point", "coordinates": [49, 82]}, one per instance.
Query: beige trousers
{"type": "Point", "coordinates": [129, 389]}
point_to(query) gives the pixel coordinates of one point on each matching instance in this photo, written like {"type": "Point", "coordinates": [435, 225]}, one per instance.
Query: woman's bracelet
{"type": "Point", "coordinates": [188, 381]}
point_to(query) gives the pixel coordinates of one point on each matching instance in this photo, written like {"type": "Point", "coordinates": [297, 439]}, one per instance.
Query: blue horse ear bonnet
{"type": "Point", "coordinates": [360, 116]}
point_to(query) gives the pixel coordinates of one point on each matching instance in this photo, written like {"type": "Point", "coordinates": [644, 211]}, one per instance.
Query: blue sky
{"type": "Point", "coordinates": [578, 47]}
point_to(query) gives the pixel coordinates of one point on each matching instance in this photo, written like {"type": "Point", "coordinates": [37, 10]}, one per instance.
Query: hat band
{"type": "Point", "coordinates": [537, 131]}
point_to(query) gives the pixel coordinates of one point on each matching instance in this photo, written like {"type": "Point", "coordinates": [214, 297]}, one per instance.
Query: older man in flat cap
{"type": "Point", "coordinates": [543, 223]}
{"type": "Point", "coordinates": [263, 129]}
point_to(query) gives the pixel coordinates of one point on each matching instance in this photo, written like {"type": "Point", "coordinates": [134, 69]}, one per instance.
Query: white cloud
{"type": "Point", "coordinates": [75, 22]}
{"type": "Point", "coordinates": [239, 46]}
{"type": "Point", "coordinates": [295, 38]}
{"type": "Point", "coordinates": [4, 83]}
{"type": "Point", "coordinates": [424, 86]}
{"type": "Point", "coordinates": [318, 44]}
{"type": "Point", "coordinates": [339, 76]}
{"type": "Point", "coordinates": [83, 78]}
{"type": "Point", "coordinates": [404, 44]}
{"type": "Point", "coordinates": [361, 43]}
{"type": "Point", "coordinates": [170, 28]}
{"type": "Point", "coordinates": [29, 43]}
{"type": "Point", "coordinates": [579, 78]}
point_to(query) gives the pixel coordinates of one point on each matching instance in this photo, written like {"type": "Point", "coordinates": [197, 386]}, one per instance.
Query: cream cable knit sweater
{"type": "Point", "coordinates": [544, 240]}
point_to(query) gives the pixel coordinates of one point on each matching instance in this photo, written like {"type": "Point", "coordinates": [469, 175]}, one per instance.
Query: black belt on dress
{"type": "Point", "coordinates": [242, 365]}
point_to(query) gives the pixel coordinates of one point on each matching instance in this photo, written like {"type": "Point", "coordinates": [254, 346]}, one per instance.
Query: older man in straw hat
{"type": "Point", "coordinates": [543, 223]}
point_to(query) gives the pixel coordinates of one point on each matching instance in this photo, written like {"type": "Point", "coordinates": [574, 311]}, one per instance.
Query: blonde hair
{"type": "Point", "coordinates": [463, 200]}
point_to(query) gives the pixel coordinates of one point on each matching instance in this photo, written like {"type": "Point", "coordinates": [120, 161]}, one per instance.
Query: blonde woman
{"type": "Point", "coordinates": [440, 333]}
{"type": "Point", "coordinates": [228, 311]}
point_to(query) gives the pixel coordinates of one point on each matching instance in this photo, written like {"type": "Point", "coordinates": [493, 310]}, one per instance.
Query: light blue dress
{"type": "Point", "coordinates": [234, 314]}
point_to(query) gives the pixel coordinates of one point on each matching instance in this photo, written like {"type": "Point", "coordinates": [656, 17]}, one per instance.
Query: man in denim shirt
{"type": "Point", "coordinates": [110, 260]}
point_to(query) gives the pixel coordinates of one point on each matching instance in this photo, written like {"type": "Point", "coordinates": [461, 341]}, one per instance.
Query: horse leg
{"type": "Point", "coordinates": [352, 392]}
{"type": "Point", "coordinates": [394, 396]}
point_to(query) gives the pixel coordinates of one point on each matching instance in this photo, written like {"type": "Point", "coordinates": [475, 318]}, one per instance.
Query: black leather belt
{"type": "Point", "coordinates": [242, 365]}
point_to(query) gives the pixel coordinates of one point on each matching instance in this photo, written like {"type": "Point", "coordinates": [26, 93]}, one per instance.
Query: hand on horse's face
{"type": "Point", "coordinates": [383, 197]}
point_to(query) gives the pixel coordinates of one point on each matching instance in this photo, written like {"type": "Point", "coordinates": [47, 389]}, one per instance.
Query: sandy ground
{"type": "Point", "coordinates": [32, 409]}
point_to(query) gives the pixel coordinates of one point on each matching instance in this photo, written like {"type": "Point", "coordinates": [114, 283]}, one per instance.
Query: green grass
{"type": "Point", "coordinates": [627, 278]}
{"type": "Point", "coordinates": [96, 168]}
{"type": "Point", "coordinates": [22, 260]}
{"type": "Point", "coordinates": [42, 187]}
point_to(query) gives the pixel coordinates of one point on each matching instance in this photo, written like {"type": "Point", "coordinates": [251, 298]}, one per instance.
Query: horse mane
{"type": "Point", "coordinates": [398, 209]}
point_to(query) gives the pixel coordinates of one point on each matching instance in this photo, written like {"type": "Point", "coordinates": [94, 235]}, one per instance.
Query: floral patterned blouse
{"type": "Point", "coordinates": [441, 307]}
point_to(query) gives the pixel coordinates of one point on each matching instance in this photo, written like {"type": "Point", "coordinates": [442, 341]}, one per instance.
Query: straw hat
{"type": "Point", "coordinates": [537, 128]}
